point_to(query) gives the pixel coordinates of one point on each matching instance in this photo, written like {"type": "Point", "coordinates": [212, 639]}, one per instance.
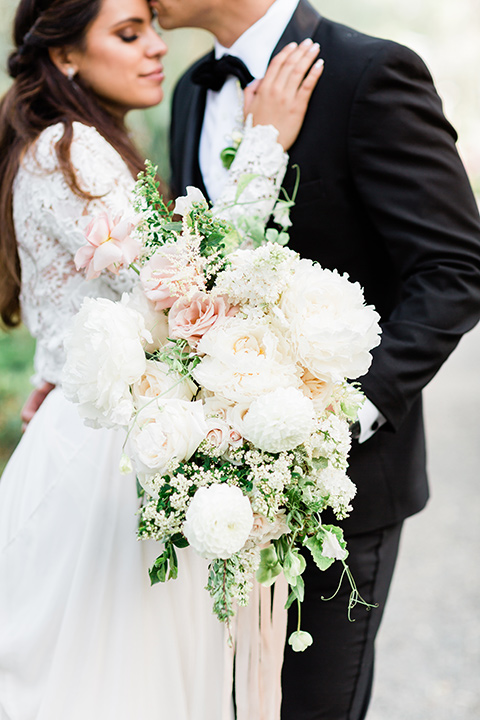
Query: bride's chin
{"type": "Point", "coordinates": [119, 110]}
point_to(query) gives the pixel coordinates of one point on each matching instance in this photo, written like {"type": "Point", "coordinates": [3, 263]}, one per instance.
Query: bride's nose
{"type": "Point", "coordinates": [156, 46]}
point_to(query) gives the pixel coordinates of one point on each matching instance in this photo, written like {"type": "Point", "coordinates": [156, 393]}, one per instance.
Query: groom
{"type": "Point", "coordinates": [383, 196]}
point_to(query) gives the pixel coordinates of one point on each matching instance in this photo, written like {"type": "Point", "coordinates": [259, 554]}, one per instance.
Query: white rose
{"type": "Point", "coordinates": [330, 326]}
{"type": "Point", "coordinates": [105, 355]}
{"type": "Point", "coordinates": [264, 531]}
{"type": "Point", "coordinates": [244, 359]}
{"type": "Point", "coordinates": [218, 521]}
{"type": "Point", "coordinates": [161, 382]}
{"type": "Point", "coordinates": [279, 420]}
{"type": "Point", "coordinates": [165, 431]}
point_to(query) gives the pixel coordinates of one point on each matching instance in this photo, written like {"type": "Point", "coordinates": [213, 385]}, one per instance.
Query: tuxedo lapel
{"type": "Point", "coordinates": [304, 23]}
{"type": "Point", "coordinates": [190, 171]}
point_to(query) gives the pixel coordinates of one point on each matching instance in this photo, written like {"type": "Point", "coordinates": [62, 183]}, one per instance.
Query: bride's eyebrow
{"type": "Point", "coordinates": [129, 21]}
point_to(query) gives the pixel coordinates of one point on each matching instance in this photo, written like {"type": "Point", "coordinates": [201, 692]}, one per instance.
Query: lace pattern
{"type": "Point", "coordinates": [262, 157]}
{"type": "Point", "coordinates": [49, 218]}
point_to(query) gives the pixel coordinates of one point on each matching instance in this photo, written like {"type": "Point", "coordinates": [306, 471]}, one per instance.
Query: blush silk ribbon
{"type": "Point", "coordinates": [256, 657]}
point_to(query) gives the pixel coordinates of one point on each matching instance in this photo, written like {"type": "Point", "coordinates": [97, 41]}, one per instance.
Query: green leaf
{"type": "Point", "coordinates": [293, 566]}
{"type": "Point", "coordinates": [283, 238]}
{"type": "Point", "coordinates": [244, 182]}
{"type": "Point", "coordinates": [179, 541]}
{"type": "Point", "coordinates": [315, 547]}
{"type": "Point", "coordinates": [271, 235]}
{"type": "Point", "coordinates": [227, 156]}
{"type": "Point", "coordinates": [269, 567]}
{"type": "Point", "coordinates": [158, 572]}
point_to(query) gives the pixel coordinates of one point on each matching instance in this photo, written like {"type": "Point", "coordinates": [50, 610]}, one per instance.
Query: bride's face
{"type": "Point", "coordinates": [121, 57]}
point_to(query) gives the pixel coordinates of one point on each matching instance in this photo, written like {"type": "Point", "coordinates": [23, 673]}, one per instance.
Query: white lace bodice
{"type": "Point", "coordinates": [49, 221]}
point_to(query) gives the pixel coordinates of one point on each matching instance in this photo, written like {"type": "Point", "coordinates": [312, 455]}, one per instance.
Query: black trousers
{"type": "Point", "coordinates": [332, 679]}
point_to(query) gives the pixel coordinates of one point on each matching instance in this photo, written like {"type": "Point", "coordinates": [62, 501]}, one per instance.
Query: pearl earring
{"type": "Point", "coordinates": [71, 73]}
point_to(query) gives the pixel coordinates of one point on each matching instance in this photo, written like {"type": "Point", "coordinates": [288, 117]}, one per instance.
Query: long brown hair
{"type": "Point", "coordinates": [41, 96]}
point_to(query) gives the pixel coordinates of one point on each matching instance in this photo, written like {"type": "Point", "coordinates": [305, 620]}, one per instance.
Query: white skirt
{"type": "Point", "coordinates": [83, 636]}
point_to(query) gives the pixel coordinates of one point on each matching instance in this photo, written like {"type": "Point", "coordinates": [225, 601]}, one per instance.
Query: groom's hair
{"type": "Point", "coordinates": [40, 96]}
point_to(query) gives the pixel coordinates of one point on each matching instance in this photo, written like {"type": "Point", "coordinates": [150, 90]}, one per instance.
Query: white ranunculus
{"type": "Point", "coordinates": [105, 356]}
{"type": "Point", "coordinates": [161, 382]}
{"type": "Point", "coordinates": [300, 640]}
{"type": "Point", "coordinates": [218, 521]}
{"type": "Point", "coordinates": [183, 204]}
{"type": "Point", "coordinates": [279, 420]}
{"type": "Point", "coordinates": [164, 431]}
{"type": "Point", "coordinates": [244, 359]}
{"type": "Point", "coordinates": [330, 326]}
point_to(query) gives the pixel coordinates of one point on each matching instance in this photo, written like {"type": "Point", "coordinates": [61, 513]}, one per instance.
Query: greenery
{"type": "Point", "coordinates": [16, 367]}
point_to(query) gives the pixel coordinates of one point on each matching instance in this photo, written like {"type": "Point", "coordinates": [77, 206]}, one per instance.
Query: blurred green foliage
{"type": "Point", "coordinates": [16, 367]}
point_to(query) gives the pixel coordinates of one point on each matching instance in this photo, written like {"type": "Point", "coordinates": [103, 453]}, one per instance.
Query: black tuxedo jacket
{"type": "Point", "coordinates": [384, 197]}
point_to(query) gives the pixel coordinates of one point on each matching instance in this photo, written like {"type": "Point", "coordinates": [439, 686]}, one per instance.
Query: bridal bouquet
{"type": "Point", "coordinates": [228, 367]}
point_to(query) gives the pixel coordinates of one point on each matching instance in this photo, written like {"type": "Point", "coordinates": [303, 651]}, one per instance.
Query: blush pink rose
{"type": "Point", "coordinates": [166, 277]}
{"type": "Point", "coordinates": [110, 246]}
{"type": "Point", "coordinates": [190, 318]}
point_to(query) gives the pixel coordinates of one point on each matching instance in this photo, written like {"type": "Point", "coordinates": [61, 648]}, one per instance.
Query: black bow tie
{"type": "Point", "coordinates": [213, 73]}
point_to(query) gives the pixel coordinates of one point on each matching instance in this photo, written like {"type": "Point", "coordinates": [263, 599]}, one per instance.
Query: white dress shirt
{"type": "Point", "coordinates": [224, 114]}
{"type": "Point", "coordinates": [224, 109]}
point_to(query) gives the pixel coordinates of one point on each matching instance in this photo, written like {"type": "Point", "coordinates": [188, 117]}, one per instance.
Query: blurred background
{"type": "Point", "coordinates": [429, 647]}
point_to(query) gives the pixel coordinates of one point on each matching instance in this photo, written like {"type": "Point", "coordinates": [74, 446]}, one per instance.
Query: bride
{"type": "Point", "coordinates": [82, 634]}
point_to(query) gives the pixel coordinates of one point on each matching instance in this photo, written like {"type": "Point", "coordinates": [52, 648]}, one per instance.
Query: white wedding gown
{"type": "Point", "coordinates": [83, 636]}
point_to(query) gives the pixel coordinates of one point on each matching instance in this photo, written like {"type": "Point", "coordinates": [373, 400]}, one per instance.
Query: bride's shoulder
{"type": "Point", "coordinates": [87, 147]}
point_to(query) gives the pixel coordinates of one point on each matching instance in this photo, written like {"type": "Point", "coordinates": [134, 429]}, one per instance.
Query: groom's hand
{"type": "Point", "coordinates": [281, 98]}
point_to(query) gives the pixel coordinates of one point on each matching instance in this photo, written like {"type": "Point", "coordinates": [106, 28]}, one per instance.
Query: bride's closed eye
{"type": "Point", "coordinates": [128, 38]}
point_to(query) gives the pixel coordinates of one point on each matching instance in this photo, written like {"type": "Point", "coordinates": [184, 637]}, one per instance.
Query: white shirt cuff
{"type": "Point", "coordinates": [370, 419]}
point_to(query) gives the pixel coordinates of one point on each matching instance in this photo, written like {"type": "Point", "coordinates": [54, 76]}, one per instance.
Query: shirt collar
{"type": "Point", "coordinates": [257, 44]}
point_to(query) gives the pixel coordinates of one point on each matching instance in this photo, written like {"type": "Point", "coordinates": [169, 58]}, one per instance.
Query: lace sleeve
{"type": "Point", "coordinates": [262, 158]}
{"type": "Point", "coordinates": [49, 221]}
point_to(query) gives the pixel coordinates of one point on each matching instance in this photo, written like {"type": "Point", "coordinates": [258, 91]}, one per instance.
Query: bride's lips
{"type": "Point", "coordinates": [156, 75]}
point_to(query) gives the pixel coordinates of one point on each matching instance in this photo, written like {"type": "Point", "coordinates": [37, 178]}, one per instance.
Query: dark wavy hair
{"type": "Point", "coordinates": [39, 96]}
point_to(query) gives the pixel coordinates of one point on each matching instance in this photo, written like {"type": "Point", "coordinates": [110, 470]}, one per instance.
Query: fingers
{"type": "Point", "coordinates": [249, 94]}
{"type": "Point", "coordinates": [308, 85]}
{"type": "Point", "coordinates": [288, 69]}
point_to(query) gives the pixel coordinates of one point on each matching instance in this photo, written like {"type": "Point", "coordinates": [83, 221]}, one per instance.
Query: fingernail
{"type": "Point", "coordinates": [315, 48]}
{"type": "Point", "coordinates": [292, 45]}
{"type": "Point", "coordinates": [306, 42]}
{"type": "Point", "coordinates": [319, 64]}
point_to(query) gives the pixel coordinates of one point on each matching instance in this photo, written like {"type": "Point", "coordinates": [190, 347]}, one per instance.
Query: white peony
{"type": "Point", "coordinates": [218, 521]}
{"type": "Point", "coordinates": [279, 420]}
{"type": "Point", "coordinates": [244, 359]}
{"type": "Point", "coordinates": [161, 382]}
{"type": "Point", "coordinates": [330, 326]}
{"type": "Point", "coordinates": [105, 355]}
{"type": "Point", "coordinates": [156, 321]}
{"type": "Point", "coordinates": [165, 431]}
